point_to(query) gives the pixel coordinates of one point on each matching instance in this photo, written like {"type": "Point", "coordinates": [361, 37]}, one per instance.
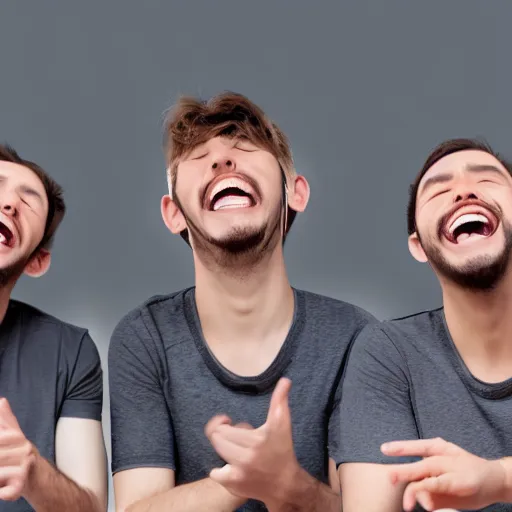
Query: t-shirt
{"type": "Point", "coordinates": [406, 380]}
{"type": "Point", "coordinates": [165, 385]}
{"type": "Point", "coordinates": [49, 369]}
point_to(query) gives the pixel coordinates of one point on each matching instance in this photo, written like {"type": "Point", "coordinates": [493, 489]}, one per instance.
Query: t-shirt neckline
{"type": "Point", "coordinates": [254, 384]}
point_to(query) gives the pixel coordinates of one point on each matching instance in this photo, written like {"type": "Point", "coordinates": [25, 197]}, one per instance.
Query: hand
{"type": "Point", "coordinates": [17, 455]}
{"type": "Point", "coordinates": [261, 462]}
{"type": "Point", "coordinates": [448, 476]}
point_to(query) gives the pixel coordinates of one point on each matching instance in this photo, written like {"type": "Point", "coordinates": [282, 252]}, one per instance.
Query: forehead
{"type": "Point", "coordinates": [21, 176]}
{"type": "Point", "coordinates": [459, 162]}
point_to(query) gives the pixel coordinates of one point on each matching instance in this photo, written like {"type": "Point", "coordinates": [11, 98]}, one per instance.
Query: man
{"type": "Point", "coordinates": [224, 396]}
{"type": "Point", "coordinates": [52, 454]}
{"type": "Point", "coordinates": [444, 373]}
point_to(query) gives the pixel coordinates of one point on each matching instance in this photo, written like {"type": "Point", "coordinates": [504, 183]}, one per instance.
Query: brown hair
{"type": "Point", "coordinates": [193, 121]}
{"type": "Point", "coordinates": [56, 206]}
{"type": "Point", "coordinates": [444, 149]}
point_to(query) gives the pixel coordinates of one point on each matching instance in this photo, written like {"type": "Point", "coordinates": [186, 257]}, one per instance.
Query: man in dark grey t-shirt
{"type": "Point", "coordinates": [203, 417]}
{"type": "Point", "coordinates": [52, 453]}
{"type": "Point", "coordinates": [445, 373]}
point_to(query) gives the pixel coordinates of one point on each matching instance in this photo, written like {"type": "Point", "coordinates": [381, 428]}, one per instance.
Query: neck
{"type": "Point", "coordinates": [251, 305]}
{"type": "Point", "coordinates": [5, 297]}
{"type": "Point", "coordinates": [480, 323]}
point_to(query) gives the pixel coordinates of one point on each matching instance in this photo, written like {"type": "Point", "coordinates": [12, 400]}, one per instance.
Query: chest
{"type": "Point", "coordinates": [445, 406]}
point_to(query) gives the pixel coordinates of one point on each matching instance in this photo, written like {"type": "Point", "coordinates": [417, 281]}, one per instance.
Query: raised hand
{"type": "Point", "coordinates": [261, 462]}
{"type": "Point", "coordinates": [17, 455]}
{"type": "Point", "coordinates": [448, 476]}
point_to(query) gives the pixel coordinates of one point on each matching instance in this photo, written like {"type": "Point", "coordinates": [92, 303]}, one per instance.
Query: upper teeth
{"type": "Point", "coordinates": [230, 183]}
{"type": "Point", "coordinates": [468, 217]}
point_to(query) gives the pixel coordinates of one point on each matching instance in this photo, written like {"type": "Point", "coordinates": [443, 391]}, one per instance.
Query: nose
{"type": "Point", "coordinates": [223, 164]}
{"type": "Point", "coordinates": [8, 205]}
{"type": "Point", "coordinates": [464, 196]}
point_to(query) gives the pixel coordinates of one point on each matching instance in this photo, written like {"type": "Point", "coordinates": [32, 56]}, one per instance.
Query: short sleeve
{"type": "Point", "coordinates": [376, 404]}
{"type": "Point", "coordinates": [83, 396]}
{"type": "Point", "coordinates": [141, 429]}
{"type": "Point", "coordinates": [333, 434]}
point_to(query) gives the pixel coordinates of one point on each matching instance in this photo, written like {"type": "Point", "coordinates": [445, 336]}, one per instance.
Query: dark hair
{"type": "Point", "coordinates": [444, 149]}
{"type": "Point", "coordinates": [56, 205]}
{"type": "Point", "coordinates": [193, 121]}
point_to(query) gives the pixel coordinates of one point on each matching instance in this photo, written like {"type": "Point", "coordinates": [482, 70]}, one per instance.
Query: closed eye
{"type": "Point", "coordinates": [437, 194]}
{"type": "Point", "coordinates": [198, 157]}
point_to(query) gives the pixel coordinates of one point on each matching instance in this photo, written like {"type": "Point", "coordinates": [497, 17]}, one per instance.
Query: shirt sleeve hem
{"type": "Point", "coordinates": [81, 411]}
{"type": "Point", "coordinates": [142, 464]}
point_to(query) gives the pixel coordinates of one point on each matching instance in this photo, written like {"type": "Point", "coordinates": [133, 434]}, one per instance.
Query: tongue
{"type": "Point", "coordinates": [465, 236]}
{"type": "Point", "coordinates": [232, 202]}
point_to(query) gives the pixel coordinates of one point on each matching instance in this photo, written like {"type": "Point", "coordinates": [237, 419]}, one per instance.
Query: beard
{"type": "Point", "coordinates": [12, 272]}
{"type": "Point", "coordinates": [481, 273]}
{"type": "Point", "coordinates": [240, 249]}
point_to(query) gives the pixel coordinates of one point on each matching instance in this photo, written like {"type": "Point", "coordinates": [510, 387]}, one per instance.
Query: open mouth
{"type": "Point", "coordinates": [6, 235]}
{"type": "Point", "coordinates": [231, 193]}
{"type": "Point", "coordinates": [471, 226]}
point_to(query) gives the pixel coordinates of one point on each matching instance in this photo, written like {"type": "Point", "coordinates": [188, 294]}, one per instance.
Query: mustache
{"type": "Point", "coordinates": [494, 209]}
{"type": "Point", "coordinates": [203, 191]}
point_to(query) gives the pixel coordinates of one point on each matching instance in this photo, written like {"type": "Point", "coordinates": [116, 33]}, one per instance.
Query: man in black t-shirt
{"type": "Point", "coordinates": [52, 454]}
{"type": "Point", "coordinates": [221, 354]}
{"type": "Point", "coordinates": [445, 373]}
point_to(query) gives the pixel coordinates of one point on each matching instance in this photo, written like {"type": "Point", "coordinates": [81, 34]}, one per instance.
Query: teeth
{"type": "Point", "coordinates": [3, 240]}
{"type": "Point", "coordinates": [232, 202]}
{"type": "Point", "coordinates": [230, 183]}
{"type": "Point", "coordinates": [468, 217]}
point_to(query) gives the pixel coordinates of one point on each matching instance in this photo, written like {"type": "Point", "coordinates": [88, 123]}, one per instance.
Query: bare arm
{"type": "Point", "coordinates": [153, 490]}
{"type": "Point", "coordinates": [306, 494]}
{"type": "Point", "coordinates": [79, 482]}
{"type": "Point", "coordinates": [369, 487]}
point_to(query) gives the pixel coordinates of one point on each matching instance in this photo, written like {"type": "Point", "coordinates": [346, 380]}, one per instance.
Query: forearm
{"type": "Point", "coordinates": [506, 494]}
{"type": "Point", "coordinates": [201, 496]}
{"type": "Point", "coordinates": [306, 494]}
{"type": "Point", "coordinates": [48, 490]}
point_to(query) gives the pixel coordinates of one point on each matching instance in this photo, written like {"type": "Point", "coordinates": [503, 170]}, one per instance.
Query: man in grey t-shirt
{"type": "Point", "coordinates": [203, 417]}
{"type": "Point", "coordinates": [445, 373]}
{"type": "Point", "coordinates": [52, 453]}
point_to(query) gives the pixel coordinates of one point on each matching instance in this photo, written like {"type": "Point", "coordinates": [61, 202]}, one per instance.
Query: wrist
{"type": "Point", "coordinates": [32, 472]}
{"type": "Point", "coordinates": [292, 490]}
{"type": "Point", "coordinates": [505, 491]}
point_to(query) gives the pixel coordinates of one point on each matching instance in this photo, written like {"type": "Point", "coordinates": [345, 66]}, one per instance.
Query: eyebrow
{"type": "Point", "coordinates": [444, 177]}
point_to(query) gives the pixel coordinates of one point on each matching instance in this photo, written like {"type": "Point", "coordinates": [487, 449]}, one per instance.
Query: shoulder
{"type": "Point", "coordinates": [403, 335]}
{"type": "Point", "coordinates": [335, 314]}
{"type": "Point", "coordinates": [154, 315]}
{"type": "Point", "coordinates": [44, 334]}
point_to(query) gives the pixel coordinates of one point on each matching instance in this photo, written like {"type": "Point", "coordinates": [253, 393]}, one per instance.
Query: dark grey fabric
{"type": "Point", "coordinates": [165, 385]}
{"type": "Point", "coordinates": [48, 369]}
{"type": "Point", "coordinates": [406, 380]}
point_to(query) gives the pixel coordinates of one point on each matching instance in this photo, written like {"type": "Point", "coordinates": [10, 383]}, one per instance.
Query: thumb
{"type": "Point", "coordinates": [279, 410]}
{"type": "Point", "coordinates": [7, 418]}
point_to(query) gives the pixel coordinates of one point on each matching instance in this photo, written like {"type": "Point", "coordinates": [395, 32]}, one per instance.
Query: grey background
{"type": "Point", "coordinates": [364, 89]}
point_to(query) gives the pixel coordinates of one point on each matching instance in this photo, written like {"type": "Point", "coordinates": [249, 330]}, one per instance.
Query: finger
{"type": "Point", "coordinates": [13, 456]}
{"type": "Point", "coordinates": [215, 422]}
{"type": "Point", "coordinates": [226, 475]}
{"type": "Point", "coordinates": [230, 452]}
{"type": "Point", "coordinates": [432, 466]}
{"type": "Point", "coordinates": [7, 417]}
{"type": "Point", "coordinates": [423, 490]}
{"type": "Point", "coordinates": [279, 410]}
{"type": "Point", "coordinates": [246, 426]}
{"type": "Point", "coordinates": [10, 437]}
{"type": "Point", "coordinates": [240, 436]}
{"type": "Point", "coordinates": [420, 448]}
{"type": "Point", "coordinates": [11, 492]}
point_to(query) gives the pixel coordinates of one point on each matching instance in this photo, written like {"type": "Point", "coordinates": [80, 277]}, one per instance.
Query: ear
{"type": "Point", "coordinates": [298, 195]}
{"type": "Point", "coordinates": [416, 249]}
{"type": "Point", "coordinates": [38, 264]}
{"type": "Point", "coordinates": [172, 216]}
